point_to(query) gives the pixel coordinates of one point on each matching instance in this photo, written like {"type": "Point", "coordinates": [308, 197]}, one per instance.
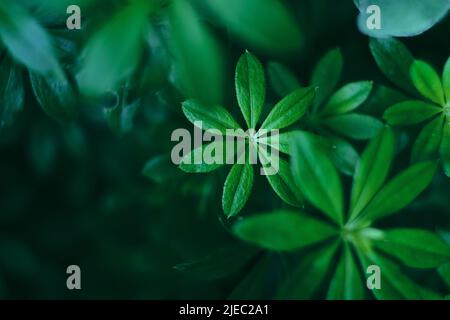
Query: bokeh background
{"type": "Point", "coordinates": [98, 190]}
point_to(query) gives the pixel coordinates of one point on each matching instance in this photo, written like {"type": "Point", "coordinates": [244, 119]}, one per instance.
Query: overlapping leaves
{"type": "Point", "coordinates": [333, 113]}
{"type": "Point", "coordinates": [432, 109]}
{"type": "Point", "coordinates": [250, 92]}
{"type": "Point", "coordinates": [356, 243]}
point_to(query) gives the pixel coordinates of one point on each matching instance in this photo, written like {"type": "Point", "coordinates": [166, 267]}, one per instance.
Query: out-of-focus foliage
{"type": "Point", "coordinates": [86, 118]}
{"type": "Point", "coordinates": [402, 18]}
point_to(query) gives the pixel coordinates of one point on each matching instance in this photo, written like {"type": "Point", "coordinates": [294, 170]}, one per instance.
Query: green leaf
{"type": "Point", "coordinates": [348, 98]}
{"type": "Point", "coordinates": [283, 230]}
{"type": "Point", "coordinates": [316, 176]}
{"type": "Point", "coordinates": [372, 170]}
{"type": "Point", "coordinates": [26, 40]}
{"type": "Point", "coordinates": [193, 162]}
{"type": "Point", "coordinates": [326, 75]}
{"type": "Point", "coordinates": [283, 183]}
{"type": "Point", "coordinates": [410, 112]}
{"type": "Point", "coordinates": [120, 117]}
{"type": "Point", "coordinates": [309, 275]}
{"type": "Point", "coordinates": [57, 97]}
{"type": "Point", "coordinates": [282, 80]}
{"type": "Point", "coordinates": [400, 191]}
{"type": "Point", "coordinates": [220, 263]}
{"type": "Point", "coordinates": [250, 88]}
{"type": "Point", "coordinates": [444, 272]}
{"type": "Point", "coordinates": [427, 81]}
{"type": "Point", "coordinates": [290, 109]}
{"type": "Point", "coordinates": [354, 125]}
{"type": "Point", "coordinates": [237, 188]}
{"type": "Point", "coordinates": [12, 93]}
{"type": "Point", "coordinates": [160, 169]}
{"type": "Point", "coordinates": [343, 155]}
{"type": "Point", "coordinates": [199, 57]}
{"type": "Point", "coordinates": [394, 60]}
{"type": "Point", "coordinates": [248, 20]}
{"type": "Point", "coordinates": [402, 18]}
{"type": "Point", "coordinates": [256, 284]}
{"type": "Point", "coordinates": [347, 283]}
{"type": "Point", "coordinates": [445, 147]}
{"type": "Point", "coordinates": [415, 248]}
{"type": "Point", "coordinates": [426, 146]}
{"type": "Point", "coordinates": [211, 117]}
{"type": "Point", "coordinates": [112, 53]}
{"type": "Point", "coordinates": [446, 80]}
{"type": "Point", "coordinates": [394, 284]}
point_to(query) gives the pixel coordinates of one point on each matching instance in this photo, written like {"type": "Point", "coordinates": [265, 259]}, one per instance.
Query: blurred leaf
{"type": "Point", "coordinates": [394, 60]}
{"type": "Point", "coordinates": [316, 176]}
{"type": "Point", "coordinates": [26, 40]}
{"type": "Point", "coordinates": [348, 98]}
{"type": "Point", "coordinates": [444, 271]}
{"type": "Point", "coordinates": [199, 57]}
{"type": "Point", "coordinates": [415, 248]}
{"type": "Point", "coordinates": [255, 283]}
{"type": "Point", "coordinates": [445, 147]}
{"type": "Point", "coordinates": [354, 125]}
{"type": "Point", "coordinates": [372, 170]}
{"type": "Point", "coordinates": [250, 88]}
{"type": "Point", "coordinates": [237, 188]}
{"type": "Point", "coordinates": [112, 53]}
{"type": "Point", "coordinates": [289, 109]}
{"type": "Point", "coordinates": [160, 169]}
{"type": "Point", "coordinates": [120, 118]}
{"type": "Point", "coordinates": [283, 230]}
{"type": "Point", "coordinates": [402, 18]}
{"type": "Point", "coordinates": [426, 146]}
{"type": "Point", "coordinates": [347, 283]}
{"type": "Point", "coordinates": [12, 92]}
{"type": "Point", "coordinates": [410, 112]}
{"type": "Point", "coordinates": [343, 155]}
{"type": "Point", "coordinates": [304, 281]}
{"type": "Point", "coordinates": [446, 79]}
{"type": "Point", "coordinates": [284, 185]}
{"type": "Point", "coordinates": [248, 20]}
{"type": "Point", "coordinates": [56, 96]}
{"type": "Point", "coordinates": [427, 81]}
{"type": "Point", "coordinates": [382, 97]}
{"type": "Point", "coordinates": [212, 117]}
{"type": "Point", "coordinates": [400, 191]}
{"type": "Point", "coordinates": [53, 12]}
{"type": "Point", "coordinates": [326, 75]}
{"type": "Point", "coordinates": [220, 263]}
{"type": "Point", "coordinates": [282, 80]}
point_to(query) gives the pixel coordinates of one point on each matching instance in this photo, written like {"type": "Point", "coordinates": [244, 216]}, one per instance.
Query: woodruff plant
{"type": "Point", "coordinates": [250, 92]}
{"type": "Point", "coordinates": [333, 114]}
{"type": "Point", "coordinates": [350, 231]}
{"type": "Point", "coordinates": [433, 106]}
